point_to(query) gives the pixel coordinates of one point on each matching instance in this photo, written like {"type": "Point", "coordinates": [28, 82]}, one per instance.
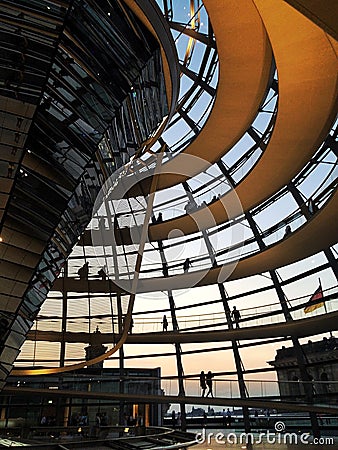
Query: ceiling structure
{"type": "Point", "coordinates": [243, 97]}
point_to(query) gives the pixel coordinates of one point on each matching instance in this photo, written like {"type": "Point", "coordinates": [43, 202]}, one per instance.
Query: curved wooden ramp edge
{"type": "Point", "coordinates": [300, 328]}
{"type": "Point", "coordinates": [312, 237]}
{"type": "Point", "coordinates": [128, 317]}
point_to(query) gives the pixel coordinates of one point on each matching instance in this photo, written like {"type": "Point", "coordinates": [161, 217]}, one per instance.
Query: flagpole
{"type": "Point", "coordinates": [331, 335]}
{"type": "Point", "coordinates": [320, 284]}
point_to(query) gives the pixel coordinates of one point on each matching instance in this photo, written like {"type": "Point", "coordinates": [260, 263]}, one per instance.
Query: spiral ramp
{"type": "Point", "coordinates": [289, 47]}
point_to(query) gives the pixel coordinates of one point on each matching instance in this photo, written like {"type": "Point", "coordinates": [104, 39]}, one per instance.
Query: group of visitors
{"type": "Point", "coordinates": [130, 421]}
{"type": "Point", "coordinates": [158, 219]}
{"type": "Point", "coordinates": [101, 419]}
{"type": "Point", "coordinates": [206, 382]}
{"type": "Point", "coordinates": [192, 205]}
{"type": "Point", "coordinates": [49, 421]}
{"type": "Point", "coordinates": [78, 419]}
{"type": "Point", "coordinates": [83, 272]}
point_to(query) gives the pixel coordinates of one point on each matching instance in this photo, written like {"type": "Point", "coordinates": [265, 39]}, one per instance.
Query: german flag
{"type": "Point", "coordinates": [313, 303]}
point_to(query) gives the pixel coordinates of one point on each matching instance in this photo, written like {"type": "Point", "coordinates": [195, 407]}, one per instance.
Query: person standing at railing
{"type": "Point", "coordinates": [102, 274]}
{"type": "Point", "coordinates": [287, 231]}
{"type": "Point", "coordinates": [173, 418]}
{"type": "Point", "coordinates": [186, 265]}
{"type": "Point", "coordinates": [102, 223]}
{"type": "Point", "coordinates": [97, 424]}
{"type": "Point", "coordinates": [179, 421]}
{"type": "Point", "coordinates": [208, 379]}
{"type": "Point", "coordinates": [203, 383]}
{"type": "Point", "coordinates": [229, 418]}
{"type": "Point", "coordinates": [165, 323]}
{"type": "Point", "coordinates": [83, 272]}
{"type": "Point", "coordinates": [236, 315]}
{"type": "Point", "coordinates": [204, 419]}
{"type": "Point", "coordinates": [224, 418]}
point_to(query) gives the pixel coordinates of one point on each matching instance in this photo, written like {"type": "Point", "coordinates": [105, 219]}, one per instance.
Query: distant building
{"type": "Point", "coordinates": [322, 359]}
{"type": "Point", "coordinates": [196, 412]}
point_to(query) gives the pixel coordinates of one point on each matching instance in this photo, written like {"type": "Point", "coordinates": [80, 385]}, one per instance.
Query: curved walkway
{"type": "Point", "coordinates": [300, 328]}
{"type": "Point", "coordinates": [324, 14]}
{"type": "Point", "coordinates": [165, 399]}
{"type": "Point", "coordinates": [245, 60]}
{"type": "Point", "coordinates": [306, 59]}
{"type": "Point", "coordinates": [317, 234]}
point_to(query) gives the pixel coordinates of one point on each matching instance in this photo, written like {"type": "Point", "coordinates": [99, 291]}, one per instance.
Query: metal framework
{"type": "Point", "coordinates": [93, 114]}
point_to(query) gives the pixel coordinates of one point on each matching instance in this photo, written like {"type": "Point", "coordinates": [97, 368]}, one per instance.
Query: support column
{"type": "Point", "coordinates": [301, 359]}
{"type": "Point", "coordinates": [64, 317]}
{"type": "Point", "coordinates": [237, 357]}
{"type": "Point", "coordinates": [238, 362]}
{"type": "Point", "coordinates": [178, 350]}
{"type": "Point", "coordinates": [121, 357]}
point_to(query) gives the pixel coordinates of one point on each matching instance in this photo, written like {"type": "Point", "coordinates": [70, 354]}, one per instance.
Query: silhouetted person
{"type": "Point", "coordinates": [43, 421]}
{"type": "Point", "coordinates": [224, 417]}
{"type": "Point", "coordinates": [236, 315]}
{"type": "Point", "coordinates": [102, 223]}
{"type": "Point", "coordinates": [229, 417]}
{"type": "Point", "coordinates": [186, 265]}
{"type": "Point", "coordinates": [83, 271]}
{"type": "Point", "coordinates": [173, 418]}
{"type": "Point", "coordinates": [102, 274]}
{"type": "Point", "coordinates": [160, 218]}
{"type": "Point", "coordinates": [97, 424]}
{"type": "Point", "coordinates": [165, 323]}
{"type": "Point", "coordinates": [208, 379]}
{"type": "Point", "coordinates": [205, 419]}
{"type": "Point", "coordinates": [131, 326]}
{"type": "Point", "coordinates": [203, 383]}
{"type": "Point", "coordinates": [287, 230]}
{"type": "Point", "coordinates": [178, 420]}
{"type": "Point", "coordinates": [104, 419]}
